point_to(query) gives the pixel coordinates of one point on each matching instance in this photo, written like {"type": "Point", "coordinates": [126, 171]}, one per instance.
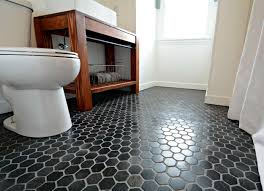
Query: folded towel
{"type": "Point", "coordinates": [104, 77]}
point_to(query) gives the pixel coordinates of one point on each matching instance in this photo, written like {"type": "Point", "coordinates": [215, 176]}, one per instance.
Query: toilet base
{"type": "Point", "coordinates": [10, 124]}
{"type": "Point", "coordinates": [37, 113]}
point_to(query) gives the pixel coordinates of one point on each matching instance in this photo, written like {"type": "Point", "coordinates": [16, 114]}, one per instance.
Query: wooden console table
{"type": "Point", "coordinates": [79, 27]}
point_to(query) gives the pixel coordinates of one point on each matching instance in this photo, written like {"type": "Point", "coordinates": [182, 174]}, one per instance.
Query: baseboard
{"type": "Point", "coordinates": [4, 107]}
{"type": "Point", "coordinates": [217, 100]}
{"type": "Point", "coordinates": [145, 86]}
{"type": "Point", "coordinates": [194, 86]}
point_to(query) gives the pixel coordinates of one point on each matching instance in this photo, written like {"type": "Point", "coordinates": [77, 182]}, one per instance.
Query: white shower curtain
{"type": "Point", "coordinates": [247, 59]}
{"type": "Point", "coordinates": [252, 114]}
{"type": "Point", "coordinates": [247, 103]}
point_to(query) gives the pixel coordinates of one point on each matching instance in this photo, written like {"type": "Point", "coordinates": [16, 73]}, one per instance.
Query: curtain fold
{"type": "Point", "coordinates": [251, 117]}
{"type": "Point", "coordinates": [247, 103]}
{"type": "Point", "coordinates": [247, 60]}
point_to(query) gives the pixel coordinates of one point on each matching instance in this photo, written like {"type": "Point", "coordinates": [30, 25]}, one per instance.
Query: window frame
{"type": "Point", "coordinates": [160, 27]}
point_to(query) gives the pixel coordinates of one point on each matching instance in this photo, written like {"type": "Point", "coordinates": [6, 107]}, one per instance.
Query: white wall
{"type": "Point", "coordinates": [146, 32]}
{"type": "Point", "coordinates": [231, 27]}
{"type": "Point", "coordinates": [183, 63]}
{"type": "Point", "coordinates": [126, 12]}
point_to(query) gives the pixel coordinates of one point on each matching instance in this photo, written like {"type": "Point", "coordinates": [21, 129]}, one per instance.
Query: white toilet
{"type": "Point", "coordinates": [31, 79]}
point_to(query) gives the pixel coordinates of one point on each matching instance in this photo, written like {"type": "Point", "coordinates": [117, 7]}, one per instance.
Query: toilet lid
{"type": "Point", "coordinates": [37, 52]}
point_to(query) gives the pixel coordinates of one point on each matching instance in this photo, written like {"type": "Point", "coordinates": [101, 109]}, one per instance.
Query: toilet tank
{"type": "Point", "coordinates": [15, 22]}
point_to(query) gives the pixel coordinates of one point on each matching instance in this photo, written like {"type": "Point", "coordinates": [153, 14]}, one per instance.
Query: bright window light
{"type": "Point", "coordinates": [185, 19]}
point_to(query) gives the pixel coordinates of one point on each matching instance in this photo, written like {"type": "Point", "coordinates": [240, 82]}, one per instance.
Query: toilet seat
{"type": "Point", "coordinates": [24, 51]}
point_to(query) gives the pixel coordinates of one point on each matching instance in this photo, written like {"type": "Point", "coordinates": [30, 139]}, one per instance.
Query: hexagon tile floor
{"type": "Point", "coordinates": [164, 139]}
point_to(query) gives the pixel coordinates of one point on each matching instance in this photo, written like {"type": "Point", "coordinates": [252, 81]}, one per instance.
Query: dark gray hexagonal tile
{"type": "Point", "coordinates": [247, 184]}
{"type": "Point", "coordinates": [238, 188]}
{"type": "Point", "coordinates": [17, 172]}
{"type": "Point", "coordinates": [242, 166]}
{"type": "Point", "coordinates": [25, 178]}
{"type": "Point", "coordinates": [204, 182]}
{"type": "Point", "coordinates": [91, 188]}
{"type": "Point", "coordinates": [135, 169]}
{"type": "Point", "coordinates": [170, 162]}
{"type": "Point", "coordinates": [229, 179]}
{"type": "Point", "coordinates": [7, 183]}
{"type": "Point", "coordinates": [62, 165]}
{"type": "Point", "coordinates": [236, 172]}
{"type": "Point", "coordinates": [157, 158]}
{"type": "Point", "coordinates": [54, 176]}
{"type": "Point", "coordinates": [177, 183]}
{"type": "Point", "coordinates": [182, 165]}
{"type": "Point", "coordinates": [221, 186]}
{"type": "Point", "coordinates": [162, 179]}
{"type": "Point", "coordinates": [150, 185]}
{"type": "Point", "coordinates": [82, 173]}
{"type": "Point", "coordinates": [109, 171]}
{"type": "Point", "coordinates": [120, 187]}
{"type": "Point", "coordinates": [252, 176]}
{"type": "Point", "coordinates": [148, 174]}
{"type": "Point", "coordinates": [173, 171]}
{"type": "Point", "coordinates": [220, 168]}
{"type": "Point", "coordinates": [77, 185]}
{"type": "Point", "coordinates": [159, 167]}
{"type": "Point", "coordinates": [94, 178]}
{"type": "Point", "coordinates": [46, 186]}
{"type": "Point", "coordinates": [124, 156]}
{"type": "Point", "coordinates": [98, 167]}
{"type": "Point", "coordinates": [147, 163]}
{"type": "Point", "coordinates": [72, 169]}
{"type": "Point", "coordinates": [188, 176]}
{"type": "Point", "coordinates": [123, 165]}
{"type": "Point", "coordinates": [45, 171]}
{"type": "Point", "coordinates": [193, 187]}
{"type": "Point", "coordinates": [135, 181]}
{"type": "Point", "coordinates": [106, 183]}
{"type": "Point", "coordinates": [121, 176]}
{"type": "Point", "coordinates": [65, 180]}
{"type": "Point", "coordinates": [213, 174]}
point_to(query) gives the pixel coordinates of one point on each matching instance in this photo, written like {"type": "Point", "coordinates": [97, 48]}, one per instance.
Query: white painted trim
{"type": "Point", "coordinates": [217, 100]}
{"type": "Point", "coordinates": [4, 107]}
{"type": "Point", "coordinates": [194, 86]}
{"type": "Point", "coordinates": [145, 86]}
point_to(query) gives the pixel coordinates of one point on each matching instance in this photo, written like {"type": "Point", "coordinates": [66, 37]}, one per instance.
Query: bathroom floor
{"type": "Point", "coordinates": [164, 139]}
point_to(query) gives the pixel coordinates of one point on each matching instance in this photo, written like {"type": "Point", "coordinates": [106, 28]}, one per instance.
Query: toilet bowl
{"type": "Point", "coordinates": [32, 81]}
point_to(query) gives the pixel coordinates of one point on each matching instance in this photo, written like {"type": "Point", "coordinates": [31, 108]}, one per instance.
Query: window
{"type": "Point", "coordinates": [185, 19]}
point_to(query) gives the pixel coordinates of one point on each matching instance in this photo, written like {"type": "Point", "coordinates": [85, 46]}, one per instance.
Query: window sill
{"type": "Point", "coordinates": [184, 40]}
{"type": "Point", "coordinates": [200, 41]}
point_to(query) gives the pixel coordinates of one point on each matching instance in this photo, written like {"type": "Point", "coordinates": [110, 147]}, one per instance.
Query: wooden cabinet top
{"type": "Point", "coordinates": [60, 21]}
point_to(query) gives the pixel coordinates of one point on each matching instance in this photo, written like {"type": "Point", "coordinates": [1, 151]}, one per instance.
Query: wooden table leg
{"type": "Point", "coordinates": [43, 38]}
{"type": "Point", "coordinates": [77, 35]}
{"type": "Point", "coordinates": [110, 57]}
{"type": "Point", "coordinates": [135, 67]}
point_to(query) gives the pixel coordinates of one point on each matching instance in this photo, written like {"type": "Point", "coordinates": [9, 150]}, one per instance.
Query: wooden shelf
{"type": "Point", "coordinates": [112, 86]}
{"type": "Point", "coordinates": [102, 87]}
